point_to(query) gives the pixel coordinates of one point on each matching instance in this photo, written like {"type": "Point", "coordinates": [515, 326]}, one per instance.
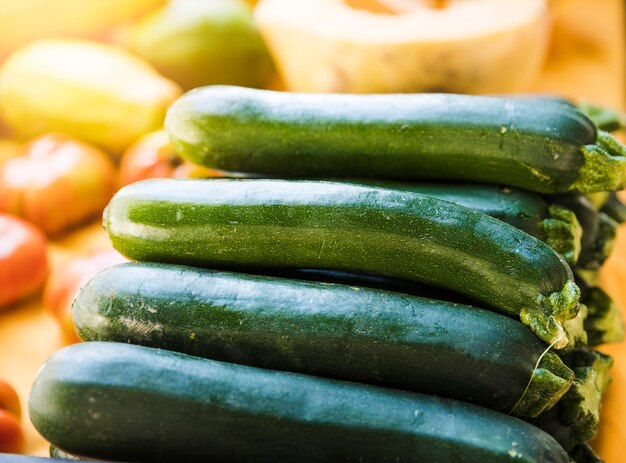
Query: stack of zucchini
{"type": "Point", "coordinates": [334, 306]}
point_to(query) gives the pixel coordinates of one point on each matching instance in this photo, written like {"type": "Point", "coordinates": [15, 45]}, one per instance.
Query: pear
{"type": "Point", "coordinates": [203, 42]}
{"type": "Point", "coordinates": [382, 46]}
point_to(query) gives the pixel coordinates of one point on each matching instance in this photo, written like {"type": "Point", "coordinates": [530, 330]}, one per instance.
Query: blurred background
{"type": "Point", "coordinates": [85, 85]}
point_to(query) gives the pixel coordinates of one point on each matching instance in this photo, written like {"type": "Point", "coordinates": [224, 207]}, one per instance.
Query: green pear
{"type": "Point", "coordinates": [203, 42]}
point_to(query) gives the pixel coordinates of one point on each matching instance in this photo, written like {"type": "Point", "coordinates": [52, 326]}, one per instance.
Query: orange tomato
{"type": "Point", "coordinates": [65, 281]}
{"type": "Point", "coordinates": [11, 434]}
{"type": "Point", "coordinates": [57, 183]}
{"type": "Point", "coordinates": [23, 259]}
{"type": "Point", "coordinates": [153, 157]}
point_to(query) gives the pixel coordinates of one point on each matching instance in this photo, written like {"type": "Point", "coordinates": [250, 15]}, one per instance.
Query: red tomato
{"type": "Point", "coordinates": [11, 434]}
{"type": "Point", "coordinates": [65, 281]}
{"type": "Point", "coordinates": [153, 157]}
{"type": "Point", "coordinates": [23, 259]}
{"type": "Point", "coordinates": [57, 183]}
{"type": "Point", "coordinates": [9, 400]}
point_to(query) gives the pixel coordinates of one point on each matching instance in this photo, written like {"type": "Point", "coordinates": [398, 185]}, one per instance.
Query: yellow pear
{"type": "Point", "coordinates": [371, 46]}
{"type": "Point", "coordinates": [99, 93]}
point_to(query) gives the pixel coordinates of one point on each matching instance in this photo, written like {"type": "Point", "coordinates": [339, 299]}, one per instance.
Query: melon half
{"type": "Point", "coordinates": [382, 46]}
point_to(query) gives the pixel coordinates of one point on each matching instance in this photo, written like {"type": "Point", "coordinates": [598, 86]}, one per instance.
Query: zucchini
{"type": "Point", "coordinates": [133, 403]}
{"type": "Point", "coordinates": [553, 224]}
{"type": "Point", "coordinates": [298, 224]}
{"type": "Point", "coordinates": [546, 147]}
{"type": "Point", "coordinates": [575, 328]}
{"type": "Point", "coordinates": [336, 331]}
{"type": "Point", "coordinates": [614, 208]}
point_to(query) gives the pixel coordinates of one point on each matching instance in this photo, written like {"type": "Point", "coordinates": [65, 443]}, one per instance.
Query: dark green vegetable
{"type": "Point", "coordinates": [583, 453]}
{"type": "Point", "coordinates": [598, 230]}
{"type": "Point", "coordinates": [605, 118]}
{"type": "Point", "coordinates": [133, 403]}
{"type": "Point", "coordinates": [243, 224]}
{"type": "Point", "coordinates": [614, 208]}
{"type": "Point", "coordinates": [546, 147]}
{"type": "Point", "coordinates": [604, 322]}
{"type": "Point", "coordinates": [555, 225]}
{"type": "Point", "coordinates": [343, 332]}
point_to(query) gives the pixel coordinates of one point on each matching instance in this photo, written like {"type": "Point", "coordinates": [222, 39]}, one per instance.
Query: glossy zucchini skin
{"type": "Point", "coordinates": [553, 224]}
{"type": "Point", "coordinates": [133, 403]}
{"type": "Point", "coordinates": [298, 224]}
{"type": "Point", "coordinates": [544, 146]}
{"type": "Point", "coordinates": [336, 331]}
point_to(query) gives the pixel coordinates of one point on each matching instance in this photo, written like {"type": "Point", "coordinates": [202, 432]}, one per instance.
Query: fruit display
{"type": "Point", "coordinates": [312, 231]}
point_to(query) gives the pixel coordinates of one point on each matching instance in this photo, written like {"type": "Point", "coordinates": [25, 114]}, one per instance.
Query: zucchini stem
{"type": "Point", "coordinates": [575, 329]}
{"type": "Point", "coordinates": [604, 167]}
{"type": "Point", "coordinates": [563, 232]}
{"type": "Point", "coordinates": [549, 382]}
{"type": "Point", "coordinates": [580, 406]}
{"type": "Point", "coordinates": [555, 308]}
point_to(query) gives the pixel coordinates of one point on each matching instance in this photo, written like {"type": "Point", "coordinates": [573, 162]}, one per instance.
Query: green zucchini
{"type": "Point", "coordinates": [336, 331]}
{"type": "Point", "coordinates": [133, 403]}
{"type": "Point", "coordinates": [614, 208]}
{"type": "Point", "coordinates": [298, 224]}
{"type": "Point", "coordinates": [575, 328]}
{"type": "Point", "coordinates": [546, 147]}
{"type": "Point", "coordinates": [553, 224]}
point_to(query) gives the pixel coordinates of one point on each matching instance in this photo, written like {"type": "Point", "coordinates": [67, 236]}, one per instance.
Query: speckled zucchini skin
{"type": "Point", "coordinates": [132, 403]}
{"type": "Point", "coordinates": [300, 224]}
{"type": "Point", "coordinates": [553, 224]}
{"type": "Point", "coordinates": [542, 146]}
{"type": "Point", "coordinates": [344, 332]}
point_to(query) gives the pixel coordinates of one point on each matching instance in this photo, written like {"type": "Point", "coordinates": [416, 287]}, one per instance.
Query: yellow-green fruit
{"type": "Point", "coordinates": [203, 42]}
{"type": "Point", "coordinates": [98, 93]}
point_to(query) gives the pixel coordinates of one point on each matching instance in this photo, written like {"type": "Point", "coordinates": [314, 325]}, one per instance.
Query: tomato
{"type": "Point", "coordinates": [11, 434]}
{"type": "Point", "coordinates": [23, 259]}
{"type": "Point", "coordinates": [152, 157]}
{"type": "Point", "coordinates": [9, 400]}
{"type": "Point", "coordinates": [57, 183]}
{"type": "Point", "coordinates": [65, 281]}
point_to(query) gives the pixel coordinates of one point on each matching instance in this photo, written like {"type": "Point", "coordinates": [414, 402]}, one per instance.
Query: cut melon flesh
{"type": "Point", "coordinates": [370, 46]}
